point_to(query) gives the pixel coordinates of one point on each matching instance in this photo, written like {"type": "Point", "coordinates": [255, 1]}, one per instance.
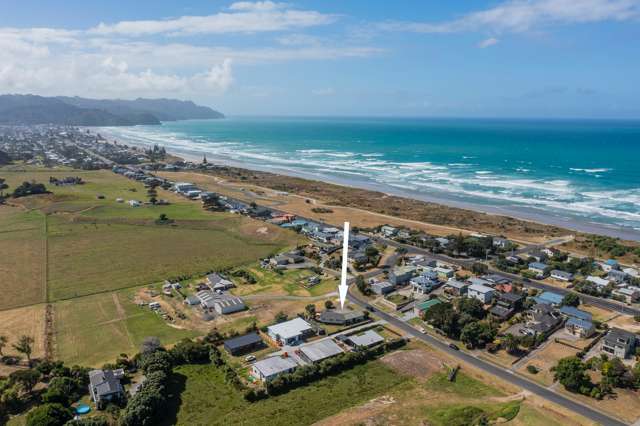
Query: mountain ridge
{"type": "Point", "coordinates": [78, 111]}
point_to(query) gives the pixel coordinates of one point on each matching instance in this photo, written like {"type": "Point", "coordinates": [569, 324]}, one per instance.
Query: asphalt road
{"type": "Point", "coordinates": [506, 375]}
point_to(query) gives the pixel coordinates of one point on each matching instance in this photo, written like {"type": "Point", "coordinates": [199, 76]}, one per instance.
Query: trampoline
{"type": "Point", "coordinates": [82, 409]}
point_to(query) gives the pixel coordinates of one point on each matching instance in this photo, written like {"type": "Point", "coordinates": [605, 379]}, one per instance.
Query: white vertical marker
{"type": "Point", "coordinates": [343, 287]}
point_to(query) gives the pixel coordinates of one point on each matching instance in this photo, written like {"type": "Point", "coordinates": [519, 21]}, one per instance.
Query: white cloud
{"type": "Point", "coordinates": [524, 15]}
{"type": "Point", "coordinates": [488, 42]}
{"type": "Point", "coordinates": [244, 17]}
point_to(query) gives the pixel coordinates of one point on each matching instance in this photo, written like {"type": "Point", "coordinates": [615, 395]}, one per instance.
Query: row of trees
{"type": "Point", "coordinates": [24, 346]}
{"type": "Point", "coordinates": [574, 375]}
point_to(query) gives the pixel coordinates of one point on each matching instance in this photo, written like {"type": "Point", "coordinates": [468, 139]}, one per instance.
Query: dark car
{"type": "Point", "coordinates": [454, 346]}
{"type": "Point", "coordinates": [370, 308]}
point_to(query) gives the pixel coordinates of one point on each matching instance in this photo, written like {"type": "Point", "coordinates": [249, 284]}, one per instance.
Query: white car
{"type": "Point", "coordinates": [250, 358]}
{"type": "Point", "coordinates": [422, 330]}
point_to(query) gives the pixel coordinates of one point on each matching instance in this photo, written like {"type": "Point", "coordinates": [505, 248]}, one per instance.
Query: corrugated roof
{"type": "Point", "coordinates": [320, 350]}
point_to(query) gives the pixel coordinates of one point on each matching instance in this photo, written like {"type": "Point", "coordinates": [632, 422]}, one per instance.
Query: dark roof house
{"type": "Point", "coordinates": [105, 386]}
{"type": "Point", "coordinates": [243, 344]}
{"type": "Point", "coordinates": [341, 316]}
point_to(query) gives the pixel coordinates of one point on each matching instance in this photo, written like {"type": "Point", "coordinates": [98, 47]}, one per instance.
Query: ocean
{"type": "Point", "coordinates": [583, 175]}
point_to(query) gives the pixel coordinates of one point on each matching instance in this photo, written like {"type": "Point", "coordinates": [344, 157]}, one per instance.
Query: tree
{"type": "Point", "coordinates": [150, 344]}
{"type": "Point", "coordinates": [310, 311]}
{"type": "Point", "coordinates": [443, 317]}
{"type": "Point", "coordinates": [363, 285]}
{"type": "Point", "coordinates": [571, 299]}
{"type": "Point", "coordinates": [479, 268]}
{"type": "Point", "coordinates": [511, 343]}
{"type": "Point", "coordinates": [25, 346]}
{"type": "Point", "coordinates": [3, 343]}
{"type": "Point", "coordinates": [371, 251]}
{"type": "Point", "coordinates": [25, 379]}
{"type": "Point", "coordinates": [328, 304]}
{"type": "Point", "coordinates": [471, 307]}
{"type": "Point", "coordinates": [281, 317]}
{"type": "Point", "coordinates": [477, 334]}
{"type": "Point", "coordinates": [49, 415]}
{"type": "Point", "coordinates": [29, 188]}
{"type": "Point", "coordinates": [571, 373]}
{"type": "Point", "coordinates": [3, 186]}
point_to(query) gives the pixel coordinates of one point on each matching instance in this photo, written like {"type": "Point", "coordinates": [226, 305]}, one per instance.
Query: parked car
{"type": "Point", "coordinates": [454, 346]}
{"type": "Point", "coordinates": [250, 358]}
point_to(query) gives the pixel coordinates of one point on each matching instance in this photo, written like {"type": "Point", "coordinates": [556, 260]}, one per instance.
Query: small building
{"type": "Point", "coordinates": [482, 293]}
{"type": "Point", "coordinates": [105, 386]}
{"type": "Point", "coordinates": [456, 288]}
{"type": "Point", "coordinates": [538, 268]}
{"type": "Point", "coordinates": [216, 282]}
{"type": "Point", "coordinates": [617, 276]}
{"type": "Point", "coordinates": [609, 265]}
{"type": "Point", "coordinates": [549, 298]}
{"type": "Point", "coordinates": [367, 339]}
{"type": "Point", "coordinates": [290, 332]}
{"type": "Point", "coordinates": [341, 316]}
{"type": "Point", "coordinates": [191, 300]}
{"type": "Point", "coordinates": [501, 242]}
{"type": "Point", "coordinates": [269, 368]}
{"type": "Point", "coordinates": [320, 350]}
{"type": "Point", "coordinates": [497, 279]}
{"type": "Point", "coordinates": [424, 284]}
{"type": "Point", "coordinates": [224, 305]}
{"type": "Point", "coordinates": [444, 272]}
{"type": "Point", "coordinates": [388, 231]}
{"type": "Point", "coordinates": [382, 287]}
{"type": "Point", "coordinates": [422, 307]}
{"type": "Point", "coordinates": [559, 275]}
{"type": "Point", "coordinates": [629, 294]}
{"type": "Point", "coordinates": [243, 344]}
{"type": "Point", "coordinates": [579, 327]}
{"type": "Point", "coordinates": [599, 282]}
{"type": "Point", "coordinates": [401, 275]}
{"type": "Point", "coordinates": [619, 342]}
{"type": "Point", "coordinates": [571, 312]}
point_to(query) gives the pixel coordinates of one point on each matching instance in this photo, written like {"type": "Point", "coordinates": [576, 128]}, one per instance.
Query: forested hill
{"type": "Point", "coordinates": [32, 109]}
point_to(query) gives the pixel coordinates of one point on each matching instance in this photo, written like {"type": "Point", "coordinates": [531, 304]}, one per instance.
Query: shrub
{"type": "Point", "coordinates": [532, 369]}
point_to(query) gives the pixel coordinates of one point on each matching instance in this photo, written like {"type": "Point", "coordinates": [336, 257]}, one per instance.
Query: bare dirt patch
{"type": "Point", "coordinates": [415, 363]}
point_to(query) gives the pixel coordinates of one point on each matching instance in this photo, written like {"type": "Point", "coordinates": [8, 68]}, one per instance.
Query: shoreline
{"type": "Point", "coordinates": [570, 225]}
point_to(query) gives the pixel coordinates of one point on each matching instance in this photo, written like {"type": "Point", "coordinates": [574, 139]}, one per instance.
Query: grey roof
{"type": "Point", "coordinates": [368, 338]}
{"type": "Point", "coordinates": [320, 350]}
{"type": "Point", "coordinates": [620, 336]}
{"type": "Point", "coordinates": [511, 297]}
{"type": "Point", "coordinates": [340, 315]}
{"type": "Point", "coordinates": [537, 265]}
{"type": "Point", "coordinates": [501, 311]}
{"type": "Point", "coordinates": [104, 382]}
{"type": "Point", "coordinates": [274, 365]}
{"type": "Point", "coordinates": [291, 328]}
{"type": "Point", "coordinates": [242, 341]}
{"type": "Point", "coordinates": [559, 273]}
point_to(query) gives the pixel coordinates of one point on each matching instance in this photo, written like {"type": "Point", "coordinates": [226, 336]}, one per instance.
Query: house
{"type": "Point", "coordinates": [341, 316]}
{"type": "Point", "coordinates": [501, 242]}
{"type": "Point", "coordinates": [599, 282]}
{"type": "Point", "coordinates": [423, 307]}
{"type": "Point", "coordinates": [538, 255]}
{"type": "Point", "coordinates": [633, 273]}
{"type": "Point", "coordinates": [191, 300]}
{"type": "Point", "coordinates": [382, 287]}
{"type": "Point", "coordinates": [401, 275]}
{"type": "Point", "coordinates": [506, 305]}
{"type": "Point", "coordinates": [243, 344]}
{"type": "Point", "coordinates": [559, 275]}
{"type": "Point", "coordinates": [609, 265]}
{"type": "Point", "coordinates": [224, 305]}
{"type": "Point", "coordinates": [358, 241]}
{"type": "Point", "coordinates": [538, 268]}
{"type": "Point", "coordinates": [444, 272]}
{"type": "Point", "coordinates": [579, 327]}
{"type": "Point", "coordinates": [629, 294]}
{"type": "Point", "coordinates": [620, 343]}
{"type": "Point", "coordinates": [541, 319]}
{"type": "Point", "coordinates": [269, 368]}
{"type": "Point", "coordinates": [388, 231]}
{"type": "Point", "coordinates": [290, 332]}
{"type": "Point", "coordinates": [320, 350]}
{"type": "Point", "coordinates": [134, 203]}
{"type": "Point", "coordinates": [549, 298]}
{"type": "Point", "coordinates": [497, 279]}
{"type": "Point", "coordinates": [184, 187]}
{"type": "Point", "coordinates": [217, 282]}
{"type": "Point", "coordinates": [617, 276]}
{"type": "Point", "coordinates": [571, 312]}
{"type": "Point", "coordinates": [481, 292]}
{"type": "Point", "coordinates": [358, 257]}
{"type": "Point", "coordinates": [479, 281]}
{"type": "Point", "coordinates": [207, 298]}
{"type": "Point", "coordinates": [424, 284]}
{"type": "Point", "coordinates": [404, 234]}
{"type": "Point", "coordinates": [442, 241]}
{"type": "Point", "coordinates": [456, 288]}
{"type": "Point", "coordinates": [105, 386]}
{"type": "Point", "coordinates": [367, 339]}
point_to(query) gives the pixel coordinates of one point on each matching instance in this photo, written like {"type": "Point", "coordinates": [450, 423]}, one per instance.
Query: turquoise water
{"type": "Point", "coordinates": [580, 174]}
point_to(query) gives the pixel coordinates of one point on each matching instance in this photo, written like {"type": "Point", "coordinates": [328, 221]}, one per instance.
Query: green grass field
{"type": "Point", "coordinates": [202, 398]}
{"type": "Point", "coordinates": [95, 329]}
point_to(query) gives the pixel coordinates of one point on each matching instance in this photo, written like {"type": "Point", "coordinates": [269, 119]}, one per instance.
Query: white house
{"type": "Point", "coordinates": [290, 332]}
{"type": "Point", "coordinates": [270, 368]}
{"type": "Point", "coordinates": [228, 305]}
{"type": "Point", "coordinates": [600, 282]}
{"type": "Point", "coordinates": [559, 275]}
{"type": "Point", "coordinates": [481, 292]}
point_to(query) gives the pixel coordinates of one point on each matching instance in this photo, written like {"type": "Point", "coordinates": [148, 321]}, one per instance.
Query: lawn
{"type": "Point", "coordinates": [202, 398]}
{"type": "Point", "coordinates": [289, 282]}
{"type": "Point", "coordinates": [463, 386]}
{"type": "Point", "coordinates": [22, 257]}
{"type": "Point", "coordinates": [95, 329]}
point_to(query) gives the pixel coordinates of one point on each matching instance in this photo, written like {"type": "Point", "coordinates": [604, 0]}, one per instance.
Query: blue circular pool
{"type": "Point", "coordinates": [82, 409]}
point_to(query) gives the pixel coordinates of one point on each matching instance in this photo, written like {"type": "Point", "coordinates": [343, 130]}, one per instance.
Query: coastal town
{"type": "Point", "coordinates": [540, 315]}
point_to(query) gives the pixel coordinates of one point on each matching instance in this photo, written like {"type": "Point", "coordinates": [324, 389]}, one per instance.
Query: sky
{"type": "Point", "coordinates": [515, 58]}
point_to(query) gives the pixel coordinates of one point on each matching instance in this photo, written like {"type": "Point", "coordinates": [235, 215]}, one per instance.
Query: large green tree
{"type": "Point", "coordinates": [24, 346]}
{"type": "Point", "coordinates": [571, 373]}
